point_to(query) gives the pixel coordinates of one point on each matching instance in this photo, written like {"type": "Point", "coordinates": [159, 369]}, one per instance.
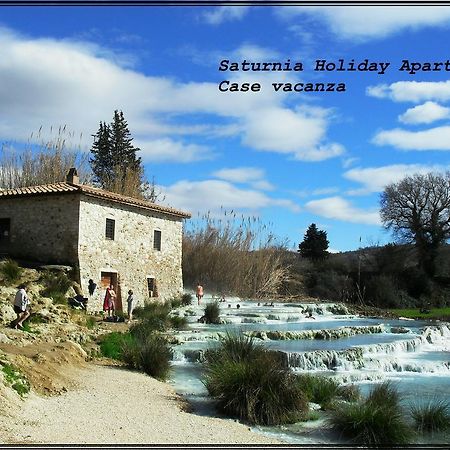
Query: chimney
{"type": "Point", "coordinates": [72, 176]}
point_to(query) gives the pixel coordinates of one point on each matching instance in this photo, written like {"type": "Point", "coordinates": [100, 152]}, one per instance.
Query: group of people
{"type": "Point", "coordinates": [109, 303]}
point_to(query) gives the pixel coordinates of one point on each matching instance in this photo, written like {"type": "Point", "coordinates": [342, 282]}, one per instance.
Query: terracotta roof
{"type": "Point", "coordinates": [62, 188]}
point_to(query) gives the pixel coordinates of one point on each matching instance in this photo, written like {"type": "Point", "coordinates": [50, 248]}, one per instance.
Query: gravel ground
{"type": "Point", "coordinates": [114, 406]}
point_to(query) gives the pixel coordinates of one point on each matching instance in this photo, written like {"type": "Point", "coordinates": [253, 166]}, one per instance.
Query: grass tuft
{"type": "Point", "coordinates": [17, 380]}
{"type": "Point", "coordinates": [10, 271]}
{"type": "Point", "coordinates": [377, 421]}
{"type": "Point", "coordinates": [249, 382]}
{"type": "Point", "coordinates": [212, 311]}
{"type": "Point", "coordinates": [113, 345]}
{"type": "Point", "coordinates": [186, 299]}
{"type": "Point", "coordinates": [431, 417]}
{"type": "Point", "coordinates": [56, 286]}
{"type": "Point", "coordinates": [319, 389]}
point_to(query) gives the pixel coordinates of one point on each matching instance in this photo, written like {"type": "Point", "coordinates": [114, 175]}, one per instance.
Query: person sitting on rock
{"type": "Point", "coordinates": [78, 301]}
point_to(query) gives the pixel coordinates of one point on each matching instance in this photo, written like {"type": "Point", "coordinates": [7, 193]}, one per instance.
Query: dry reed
{"type": "Point", "coordinates": [239, 256]}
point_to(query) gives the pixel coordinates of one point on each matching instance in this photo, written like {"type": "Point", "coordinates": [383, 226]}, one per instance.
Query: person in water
{"type": "Point", "coordinates": [199, 293]}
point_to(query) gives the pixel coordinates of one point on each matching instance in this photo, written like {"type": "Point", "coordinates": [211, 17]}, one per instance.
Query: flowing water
{"type": "Point", "coordinates": [414, 355]}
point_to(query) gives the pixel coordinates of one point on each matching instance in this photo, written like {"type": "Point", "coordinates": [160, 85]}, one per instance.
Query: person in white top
{"type": "Point", "coordinates": [21, 306]}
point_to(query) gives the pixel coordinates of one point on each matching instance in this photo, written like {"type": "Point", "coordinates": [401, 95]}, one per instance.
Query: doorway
{"type": "Point", "coordinates": [108, 278]}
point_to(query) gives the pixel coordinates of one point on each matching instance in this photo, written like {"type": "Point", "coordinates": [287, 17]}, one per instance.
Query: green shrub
{"type": "Point", "coordinates": [151, 354]}
{"type": "Point", "coordinates": [175, 302]}
{"type": "Point", "coordinates": [155, 355]}
{"type": "Point", "coordinates": [431, 417]}
{"type": "Point", "coordinates": [349, 393]}
{"type": "Point", "coordinates": [10, 270]}
{"type": "Point", "coordinates": [58, 298]}
{"type": "Point", "coordinates": [112, 345]}
{"type": "Point", "coordinates": [250, 383]}
{"type": "Point", "coordinates": [17, 380]}
{"type": "Point", "coordinates": [154, 311]}
{"type": "Point", "coordinates": [377, 421]}
{"type": "Point", "coordinates": [56, 286]}
{"type": "Point", "coordinates": [212, 311]}
{"type": "Point", "coordinates": [234, 346]}
{"type": "Point", "coordinates": [384, 395]}
{"type": "Point", "coordinates": [26, 327]}
{"type": "Point", "coordinates": [318, 389]}
{"type": "Point", "coordinates": [90, 322]}
{"type": "Point", "coordinates": [178, 322]}
{"type": "Point", "coordinates": [186, 299]}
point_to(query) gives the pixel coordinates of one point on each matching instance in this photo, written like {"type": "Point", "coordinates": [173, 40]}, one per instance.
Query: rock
{"type": "Point", "coordinates": [4, 339]}
{"type": "Point", "coordinates": [400, 330]}
{"type": "Point", "coordinates": [7, 314]}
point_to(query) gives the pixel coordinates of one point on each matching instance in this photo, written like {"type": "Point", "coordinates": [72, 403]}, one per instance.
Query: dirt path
{"type": "Point", "coordinates": [112, 405]}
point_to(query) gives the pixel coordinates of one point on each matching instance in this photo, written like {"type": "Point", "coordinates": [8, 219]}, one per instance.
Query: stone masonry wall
{"type": "Point", "coordinates": [43, 228]}
{"type": "Point", "coordinates": [130, 254]}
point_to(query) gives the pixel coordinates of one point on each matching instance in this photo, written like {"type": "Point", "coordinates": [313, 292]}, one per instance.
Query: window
{"type": "Point", "coordinates": [152, 289]}
{"type": "Point", "coordinates": [110, 226]}
{"type": "Point", "coordinates": [157, 240]}
{"type": "Point", "coordinates": [5, 225]}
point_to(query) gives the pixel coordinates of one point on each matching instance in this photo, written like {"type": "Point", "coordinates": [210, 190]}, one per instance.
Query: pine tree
{"type": "Point", "coordinates": [115, 164]}
{"type": "Point", "coordinates": [315, 243]}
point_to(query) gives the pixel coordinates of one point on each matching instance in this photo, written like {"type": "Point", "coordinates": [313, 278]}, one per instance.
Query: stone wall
{"type": "Point", "coordinates": [130, 254]}
{"type": "Point", "coordinates": [43, 228]}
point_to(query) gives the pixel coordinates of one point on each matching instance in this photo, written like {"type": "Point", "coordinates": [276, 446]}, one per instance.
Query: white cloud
{"type": "Point", "coordinates": [211, 195]}
{"type": "Point", "coordinates": [80, 84]}
{"type": "Point", "coordinates": [427, 113]}
{"type": "Point", "coordinates": [220, 14]}
{"type": "Point", "coordinates": [340, 209]}
{"type": "Point", "coordinates": [348, 162]}
{"type": "Point", "coordinates": [291, 132]}
{"type": "Point", "coordinates": [255, 53]}
{"type": "Point", "coordinates": [433, 139]}
{"type": "Point", "coordinates": [375, 179]}
{"type": "Point", "coordinates": [163, 150]}
{"type": "Point", "coordinates": [240, 174]}
{"type": "Point", "coordinates": [370, 22]}
{"type": "Point", "coordinates": [412, 91]}
{"type": "Point", "coordinates": [251, 175]}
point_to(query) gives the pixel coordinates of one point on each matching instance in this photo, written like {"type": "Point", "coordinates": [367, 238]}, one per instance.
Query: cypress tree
{"type": "Point", "coordinates": [123, 151]}
{"type": "Point", "coordinates": [101, 161]}
{"type": "Point", "coordinates": [115, 164]}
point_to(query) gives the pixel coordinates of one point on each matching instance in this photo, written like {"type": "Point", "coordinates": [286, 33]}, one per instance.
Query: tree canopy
{"type": "Point", "coordinates": [315, 243]}
{"type": "Point", "coordinates": [417, 210]}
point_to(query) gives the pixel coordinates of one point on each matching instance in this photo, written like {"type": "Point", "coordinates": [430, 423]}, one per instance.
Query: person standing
{"type": "Point", "coordinates": [130, 301]}
{"type": "Point", "coordinates": [21, 306]}
{"type": "Point", "coordinates": [91, 287]}
{"type": "Point", "coordinates": [199, 293]}
{"type": "Point", "coordinates": [109, 303]}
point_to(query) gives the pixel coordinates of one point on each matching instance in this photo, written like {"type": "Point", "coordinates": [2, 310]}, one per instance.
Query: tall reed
{"type": "Point", "coordinates": [42, 160]}
{"type": "Point", "coordinates": [235, 255]}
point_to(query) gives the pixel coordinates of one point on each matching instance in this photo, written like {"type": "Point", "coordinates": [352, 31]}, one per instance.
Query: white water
{"type": "Point", "coordinates": [368, 351]}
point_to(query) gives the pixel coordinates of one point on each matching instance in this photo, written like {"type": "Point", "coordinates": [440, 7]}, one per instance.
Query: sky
{"type": "Point", "coordinates": [290, 158]}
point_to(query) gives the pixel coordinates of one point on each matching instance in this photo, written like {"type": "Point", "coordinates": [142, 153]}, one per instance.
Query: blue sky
{"type": "Point", "coordinates": [291, 158]}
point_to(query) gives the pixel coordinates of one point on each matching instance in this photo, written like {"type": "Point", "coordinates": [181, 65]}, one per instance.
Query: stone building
{"type": "Point", "coordinates": [107, 237]}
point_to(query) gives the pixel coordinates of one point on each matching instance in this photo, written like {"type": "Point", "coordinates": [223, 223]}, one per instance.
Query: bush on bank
{"type": "Point", "coordinates": [250, 383]}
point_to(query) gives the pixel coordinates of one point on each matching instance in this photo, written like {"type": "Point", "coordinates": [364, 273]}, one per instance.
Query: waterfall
{"type": "Point", "coordinates": [335, 333]}
{"type": "Point", "coordinates": [388, 357]}
{"type": "Point", "coordinates": [325, 359]}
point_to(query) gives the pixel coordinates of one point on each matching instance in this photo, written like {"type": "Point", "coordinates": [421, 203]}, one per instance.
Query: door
{"type": "Point", "coordinates": [108, 278]}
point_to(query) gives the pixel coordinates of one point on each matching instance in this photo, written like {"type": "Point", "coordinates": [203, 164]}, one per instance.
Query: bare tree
{"type": "Point", "coordinates": [417, 209]}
